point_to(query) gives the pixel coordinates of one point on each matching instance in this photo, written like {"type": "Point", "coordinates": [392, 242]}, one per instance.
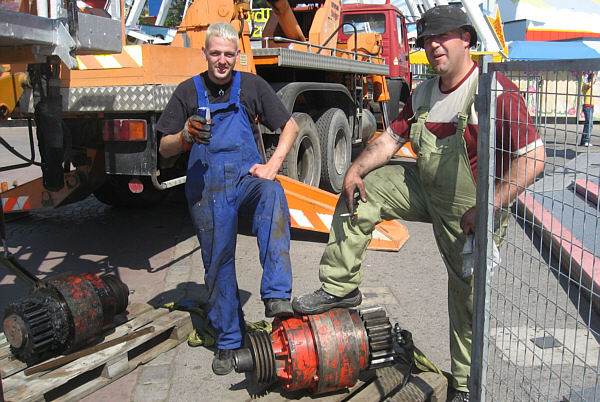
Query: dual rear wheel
{"type": "Point", "coordinates": [321, 153]}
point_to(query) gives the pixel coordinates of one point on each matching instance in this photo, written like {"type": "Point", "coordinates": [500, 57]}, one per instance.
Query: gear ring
{"type": "Point", "coordinates": [381, 337]}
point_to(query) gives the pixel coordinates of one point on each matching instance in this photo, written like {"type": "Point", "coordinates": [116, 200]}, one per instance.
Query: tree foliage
{"type": "Point", "coordinates": [175, 13]}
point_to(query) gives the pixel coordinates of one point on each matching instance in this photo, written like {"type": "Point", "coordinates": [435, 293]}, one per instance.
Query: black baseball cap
{"type": "Point", "coordinates": [442, 19]}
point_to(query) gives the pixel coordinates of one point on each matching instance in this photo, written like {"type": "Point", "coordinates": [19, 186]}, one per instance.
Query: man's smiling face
{"type": "Point", "coordinates": [221, 55]}
{"type": "Point", "coordinates": [446, 52]}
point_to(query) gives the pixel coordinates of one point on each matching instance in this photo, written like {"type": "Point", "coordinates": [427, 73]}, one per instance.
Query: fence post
{"type": "Point", "coordinates": [480, 277]}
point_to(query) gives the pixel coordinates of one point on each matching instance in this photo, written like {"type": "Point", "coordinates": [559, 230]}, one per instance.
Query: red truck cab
{"type": "Point", "coordinates": [387, 20]}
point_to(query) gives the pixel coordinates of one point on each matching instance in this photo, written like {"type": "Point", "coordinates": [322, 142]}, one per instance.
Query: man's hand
{"type": "Point", "coordinates": [377, 153]}
{"type": "Point", "coordinates": [263, 171]}
{"type": "Point", "coordinates": [197, 130]}
{"type": "Point", "coordinates": [270, 169]}
{"type": "Point", "coordinates": [353, 184]}
{"type": "Point", "coordinates": [468, 221]}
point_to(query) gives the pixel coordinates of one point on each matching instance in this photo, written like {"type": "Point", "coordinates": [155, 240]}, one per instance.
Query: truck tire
{"type": "Point", "coordinates": [336, 148]}
{"type": "Point", "coordinates": [303, 162]}
{"type": "Point", "coordinates": [115, 192]}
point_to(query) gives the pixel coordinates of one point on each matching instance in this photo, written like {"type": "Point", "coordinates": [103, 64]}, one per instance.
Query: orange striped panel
{"type": "Point", "coordinates": [13, 204]}
{"type": "Point", "coordinates": [131, 57]}
{"type": "Point", "coordinates": [406, 151]}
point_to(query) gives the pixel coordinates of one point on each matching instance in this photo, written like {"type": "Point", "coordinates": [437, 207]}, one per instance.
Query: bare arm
{"type": "Point", "coordinates": [269, 170]}
{"type": "Point", "coordinates": [170, 145]}
{"type": "Point", "coordinates": [521, 174]}
{"type": "Point", "coordinates": [377, 153]}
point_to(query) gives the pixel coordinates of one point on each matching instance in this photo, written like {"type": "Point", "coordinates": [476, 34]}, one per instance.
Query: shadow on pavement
{"type": "Point", "coordinates": [88, 236]}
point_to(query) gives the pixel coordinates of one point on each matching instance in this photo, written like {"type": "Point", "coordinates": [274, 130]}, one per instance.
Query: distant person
{"type": "Point", "coordinates": [440, 122]}
{"type": "Point", "coordinates": [227, 178]}
{"type": "Point", "coordinates": [588, 109]}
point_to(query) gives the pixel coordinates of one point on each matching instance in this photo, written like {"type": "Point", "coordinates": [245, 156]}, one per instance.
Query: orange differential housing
{"type": "Point", "coordinates": [322, 352]}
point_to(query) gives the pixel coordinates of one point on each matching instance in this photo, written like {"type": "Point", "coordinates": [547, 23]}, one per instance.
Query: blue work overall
{"type": "Point", "coordinates": [218, 188]}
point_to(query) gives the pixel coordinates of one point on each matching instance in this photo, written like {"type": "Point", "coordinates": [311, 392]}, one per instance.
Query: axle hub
{"type": "Point", "coordinates": [322, 352]}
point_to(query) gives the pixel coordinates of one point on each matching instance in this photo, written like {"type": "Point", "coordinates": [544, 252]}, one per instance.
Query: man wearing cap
{"type": "Point", "coordinates": [440, 122]}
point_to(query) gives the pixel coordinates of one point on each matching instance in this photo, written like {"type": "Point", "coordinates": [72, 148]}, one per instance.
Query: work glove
{"type": "Point", "coordinates": [197, 130]}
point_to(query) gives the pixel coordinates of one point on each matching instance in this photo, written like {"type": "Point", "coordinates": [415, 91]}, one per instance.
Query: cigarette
{"type": "Point", "coordinates": [349, 214]}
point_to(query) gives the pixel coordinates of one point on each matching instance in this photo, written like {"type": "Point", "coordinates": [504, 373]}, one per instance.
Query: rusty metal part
{"type": "Point", "coordinates": [381, 337]}
{"type": "Point", "coordinates": [37, 312]}
{"type": "Point", "coordinates": [322, 352]}
{"type": "Point", "coordinates": [15, 334]}
{"type": "Point", "coordinates": [62, 313]}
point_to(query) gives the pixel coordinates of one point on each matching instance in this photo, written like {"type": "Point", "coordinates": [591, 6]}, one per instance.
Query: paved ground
{"type": "Point", "coordinates": [156, 253]}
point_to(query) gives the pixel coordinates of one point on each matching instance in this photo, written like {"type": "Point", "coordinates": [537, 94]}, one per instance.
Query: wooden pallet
{"type": "Point", "coordinates": [85, 375]}
{"type": "Point", "coordinates": [372, 386]}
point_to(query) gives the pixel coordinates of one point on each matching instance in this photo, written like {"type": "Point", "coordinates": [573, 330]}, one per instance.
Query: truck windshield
{"type": "Point", "coordinates": [364, 23]}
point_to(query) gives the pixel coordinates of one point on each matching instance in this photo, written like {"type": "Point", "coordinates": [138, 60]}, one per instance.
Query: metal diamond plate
{"type": "Point", "coordinates": [314, 61]}
{"type": "Point", "coordinates": [139, 98]}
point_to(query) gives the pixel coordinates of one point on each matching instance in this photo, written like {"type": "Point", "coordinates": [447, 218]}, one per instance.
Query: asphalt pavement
{"type": "Point", "coordinates": [155, 252]}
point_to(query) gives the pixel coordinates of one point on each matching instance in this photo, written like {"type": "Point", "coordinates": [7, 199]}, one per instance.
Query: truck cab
{"type": "Point", "coordinates": [388, 21]}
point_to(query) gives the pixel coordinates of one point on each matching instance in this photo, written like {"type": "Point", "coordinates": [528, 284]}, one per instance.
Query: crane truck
{"type": "Point", "coordinates": [95, 112]}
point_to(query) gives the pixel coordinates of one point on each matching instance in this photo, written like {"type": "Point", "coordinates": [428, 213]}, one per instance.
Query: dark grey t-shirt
{"type": "Point", "coordinates": [257, 96]}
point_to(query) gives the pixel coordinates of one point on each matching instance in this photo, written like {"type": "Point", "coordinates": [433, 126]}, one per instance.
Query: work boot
{"type": "Point", "coordinates": [222, 362]}
{"type": "Point", "coordinates": [321, 301]}
{"type": "Point", "coordinates": [461, 396]}
{"type": "Point", "coordinates": [278, 308]}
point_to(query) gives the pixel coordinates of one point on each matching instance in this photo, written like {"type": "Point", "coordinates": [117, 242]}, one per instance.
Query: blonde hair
{"type": "Point", "coordinates": [223, 30]}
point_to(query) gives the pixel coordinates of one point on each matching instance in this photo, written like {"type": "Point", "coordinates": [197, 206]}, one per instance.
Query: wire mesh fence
{"type": "Point", "coordinates": [420, 73]}
{"type": "Point", "coordinates": [537, 331]}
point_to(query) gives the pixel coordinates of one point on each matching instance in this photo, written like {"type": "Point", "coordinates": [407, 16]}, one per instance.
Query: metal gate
{"type": "Point", "coordinates": [536, 333]}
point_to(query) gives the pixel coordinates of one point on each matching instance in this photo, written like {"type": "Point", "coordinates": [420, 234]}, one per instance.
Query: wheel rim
{"type": "Point", "coordinates": [306, 160]}
{"type": "Point", "coordinates": [340, 155]}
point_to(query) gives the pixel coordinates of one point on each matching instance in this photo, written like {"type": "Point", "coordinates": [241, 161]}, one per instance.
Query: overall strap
{"type": "Point", "coordinates": [463, 116]}
{"type": "Point", "coordinates": [419, 125]}
{"type": "Point", "coordinates": [424, 108]}
{"type": "Point", "coordinates": [234, 96]}
{"type": "Point", "coordinates": [201, 92]}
